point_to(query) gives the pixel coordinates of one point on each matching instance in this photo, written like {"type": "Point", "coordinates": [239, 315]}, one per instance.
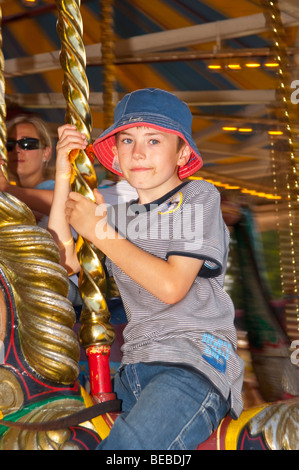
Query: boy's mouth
{"type": "Point", "coordinates": [140, 168]}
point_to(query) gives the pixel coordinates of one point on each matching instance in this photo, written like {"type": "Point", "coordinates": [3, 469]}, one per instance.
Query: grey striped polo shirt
{"type": "Point", "coordinates": [197, 331]}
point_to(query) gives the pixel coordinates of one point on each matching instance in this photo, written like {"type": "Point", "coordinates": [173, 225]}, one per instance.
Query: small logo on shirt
{"type": "Point", "coordinates": [172, 205]}
{"type": "Point", "coordinates": [217, 351]}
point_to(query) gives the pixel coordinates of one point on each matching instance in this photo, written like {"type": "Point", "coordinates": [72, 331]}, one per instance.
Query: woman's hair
{"type": "Point", "coordinates": [39, 124]}
{"type": "Point", "coordinates": [43, 134]}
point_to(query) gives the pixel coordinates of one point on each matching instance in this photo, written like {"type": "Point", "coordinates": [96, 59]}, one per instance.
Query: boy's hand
{"type": "Point", "coordinates": [84, 215]}
{"type": "Point", "coordinates": [69, 139]}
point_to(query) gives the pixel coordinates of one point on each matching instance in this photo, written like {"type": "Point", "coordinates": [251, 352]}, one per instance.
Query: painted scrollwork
{"type": "Point", "coordinates": [16, 439]}
{"type": "Point", "coordinates": [279, 424]}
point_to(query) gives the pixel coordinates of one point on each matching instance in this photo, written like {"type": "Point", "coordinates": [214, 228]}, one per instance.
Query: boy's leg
{"type": "Point", "coordinates": [174, 409]}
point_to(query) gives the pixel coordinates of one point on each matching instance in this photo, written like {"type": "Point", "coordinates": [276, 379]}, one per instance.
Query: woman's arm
{"type": "Point", "coordinates": [39, 200]}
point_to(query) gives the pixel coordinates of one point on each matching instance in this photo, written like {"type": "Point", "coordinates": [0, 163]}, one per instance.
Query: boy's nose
{"type": "Point", "coordinates": [138, 151]}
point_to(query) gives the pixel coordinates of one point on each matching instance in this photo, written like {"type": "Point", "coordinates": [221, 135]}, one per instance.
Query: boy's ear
{"type": "Point", "coordinates": [184, 155]}
{"type": "Point", "coordinates": [115, 163]}
{"type": "Point", "coordinates": [114, 150]}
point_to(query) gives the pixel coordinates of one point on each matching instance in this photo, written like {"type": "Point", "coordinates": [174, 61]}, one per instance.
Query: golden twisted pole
{"type": "Point", "coordinates": [285, 173]}
{"type": "Point", "coordinates": [3, 153]}
{"type": "Point", "coordinates": [96, 334]}
{"type": "Point", "coordinates": [108, 58]}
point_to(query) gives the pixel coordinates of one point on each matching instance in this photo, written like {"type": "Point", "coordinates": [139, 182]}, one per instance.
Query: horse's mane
{"type": "Point", "coordinates": [45, 317]}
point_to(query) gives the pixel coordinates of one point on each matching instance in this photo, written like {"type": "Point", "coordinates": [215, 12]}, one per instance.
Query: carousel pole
{"type": "Point", "coordinates": [285, 174]}
{"type": "Point", "coordinates": [3, 152]}
{"type": "Point", "coordinates": [96, 334]}
{"type": "Point", "coordinates": [108, 59]}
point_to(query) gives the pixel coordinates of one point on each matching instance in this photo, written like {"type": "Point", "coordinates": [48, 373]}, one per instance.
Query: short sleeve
{"type": "Point", "coordinates": [108, 266]}
{"type": "Point", "coordinates": [199, 231]}
{"type": "Point", "coordinates": [47, 184]}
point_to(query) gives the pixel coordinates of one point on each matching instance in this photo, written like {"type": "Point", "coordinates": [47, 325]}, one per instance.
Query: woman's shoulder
{"type": "Point", "coordinates": [47, 184]}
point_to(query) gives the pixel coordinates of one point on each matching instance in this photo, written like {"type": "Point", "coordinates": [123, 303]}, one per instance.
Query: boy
{"type": "Point", "coordinates": [167, 251]}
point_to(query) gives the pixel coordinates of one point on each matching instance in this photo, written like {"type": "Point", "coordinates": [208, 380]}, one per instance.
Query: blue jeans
{"type": "Point", "coordinates": [164, 407]}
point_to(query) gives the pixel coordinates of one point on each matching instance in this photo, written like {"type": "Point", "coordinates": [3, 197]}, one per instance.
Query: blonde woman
{"type": "Point", "coordinates": [29, 163]}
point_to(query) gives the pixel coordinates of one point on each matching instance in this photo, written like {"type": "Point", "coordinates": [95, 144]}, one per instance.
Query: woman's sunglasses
{"type": "Point", "coordinates": [26, 143]}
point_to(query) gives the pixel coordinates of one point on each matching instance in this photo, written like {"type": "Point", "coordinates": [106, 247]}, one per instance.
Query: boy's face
{"type": "Point", "coordinates": [149, 160]}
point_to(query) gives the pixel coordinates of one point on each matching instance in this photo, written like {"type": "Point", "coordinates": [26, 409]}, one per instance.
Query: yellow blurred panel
{"type": "Point", "coordinates": [234, 9]}
{"type": "Point", "coordinates": [91, 29]}
{"type": "Point", "coordinates": [137, 76]}
{"type": "Point", "coordinates": [166, 16]}
{"type": "Point", "coordinates": [232, 160]}
{"type": "Point", "coordinates": [247, 77]}
{"type": "Point", "coordinates": [11, 8]}
{"type": "Point", "coordinates": [31, 37]}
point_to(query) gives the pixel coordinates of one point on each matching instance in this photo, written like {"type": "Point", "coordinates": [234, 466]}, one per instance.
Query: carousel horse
{"type": "Point", "coordinates": [272, 426]}
{"type": "Point", "coordinates": [39, 392]}
{"type": "Point", "coordinates": [269, 344]}
{"type": "Point", "coordinates": [263, 320]}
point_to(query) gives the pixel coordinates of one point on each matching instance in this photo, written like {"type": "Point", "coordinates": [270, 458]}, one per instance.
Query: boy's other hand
{"type": "Point", "coordinates": [84, 215]}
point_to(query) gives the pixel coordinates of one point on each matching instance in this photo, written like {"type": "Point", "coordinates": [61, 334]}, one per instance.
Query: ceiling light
{"type": "Point", "coordinates": [30, 3]}
{"type": "Point", "coordinates": [214, 67]}
{"type": "Point", "coordinates": [234, 66]}
{"type": "Point", "coordinates": [253, 65]}
{"type": "Point", "coordinates": [271, 64]}
{"type": "Point", "coordinates": [245, 129]}
{"type": "Point", "coordinates": [275, 132]}
{"type": "Point", "coordinates": [229, 129]}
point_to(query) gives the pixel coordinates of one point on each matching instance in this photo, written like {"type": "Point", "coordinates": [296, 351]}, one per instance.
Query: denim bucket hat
{"type": "Point", "coordinates": [154, 108]}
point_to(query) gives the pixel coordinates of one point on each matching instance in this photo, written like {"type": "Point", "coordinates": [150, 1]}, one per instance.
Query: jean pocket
{"type": "Point", "coordinates": [216, 407]}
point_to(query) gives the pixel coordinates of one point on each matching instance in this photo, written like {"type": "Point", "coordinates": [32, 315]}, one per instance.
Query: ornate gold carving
{"type": "Point", "coordinates": [16, 439]}
{"type": "Point", "coordinates": [30, 260]}
{"type": "Point", "coordinates": [279, 424]}
{"type": "Point", "coordinates": [11, 394]}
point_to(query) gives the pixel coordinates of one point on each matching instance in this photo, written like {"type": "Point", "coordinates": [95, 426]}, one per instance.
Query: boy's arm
{"type": "Point", "coordinates": [69, 139]}
{"type": "Point", "coordinates": [59, 228]}
{"type": "Point", "coordinates": [169, 280]}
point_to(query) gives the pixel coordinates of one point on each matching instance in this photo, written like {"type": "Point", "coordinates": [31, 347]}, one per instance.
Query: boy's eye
{"type": "Point", "coordinates": [126, 140]}
{"type": "Point", "coordinates": [154, 141]}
